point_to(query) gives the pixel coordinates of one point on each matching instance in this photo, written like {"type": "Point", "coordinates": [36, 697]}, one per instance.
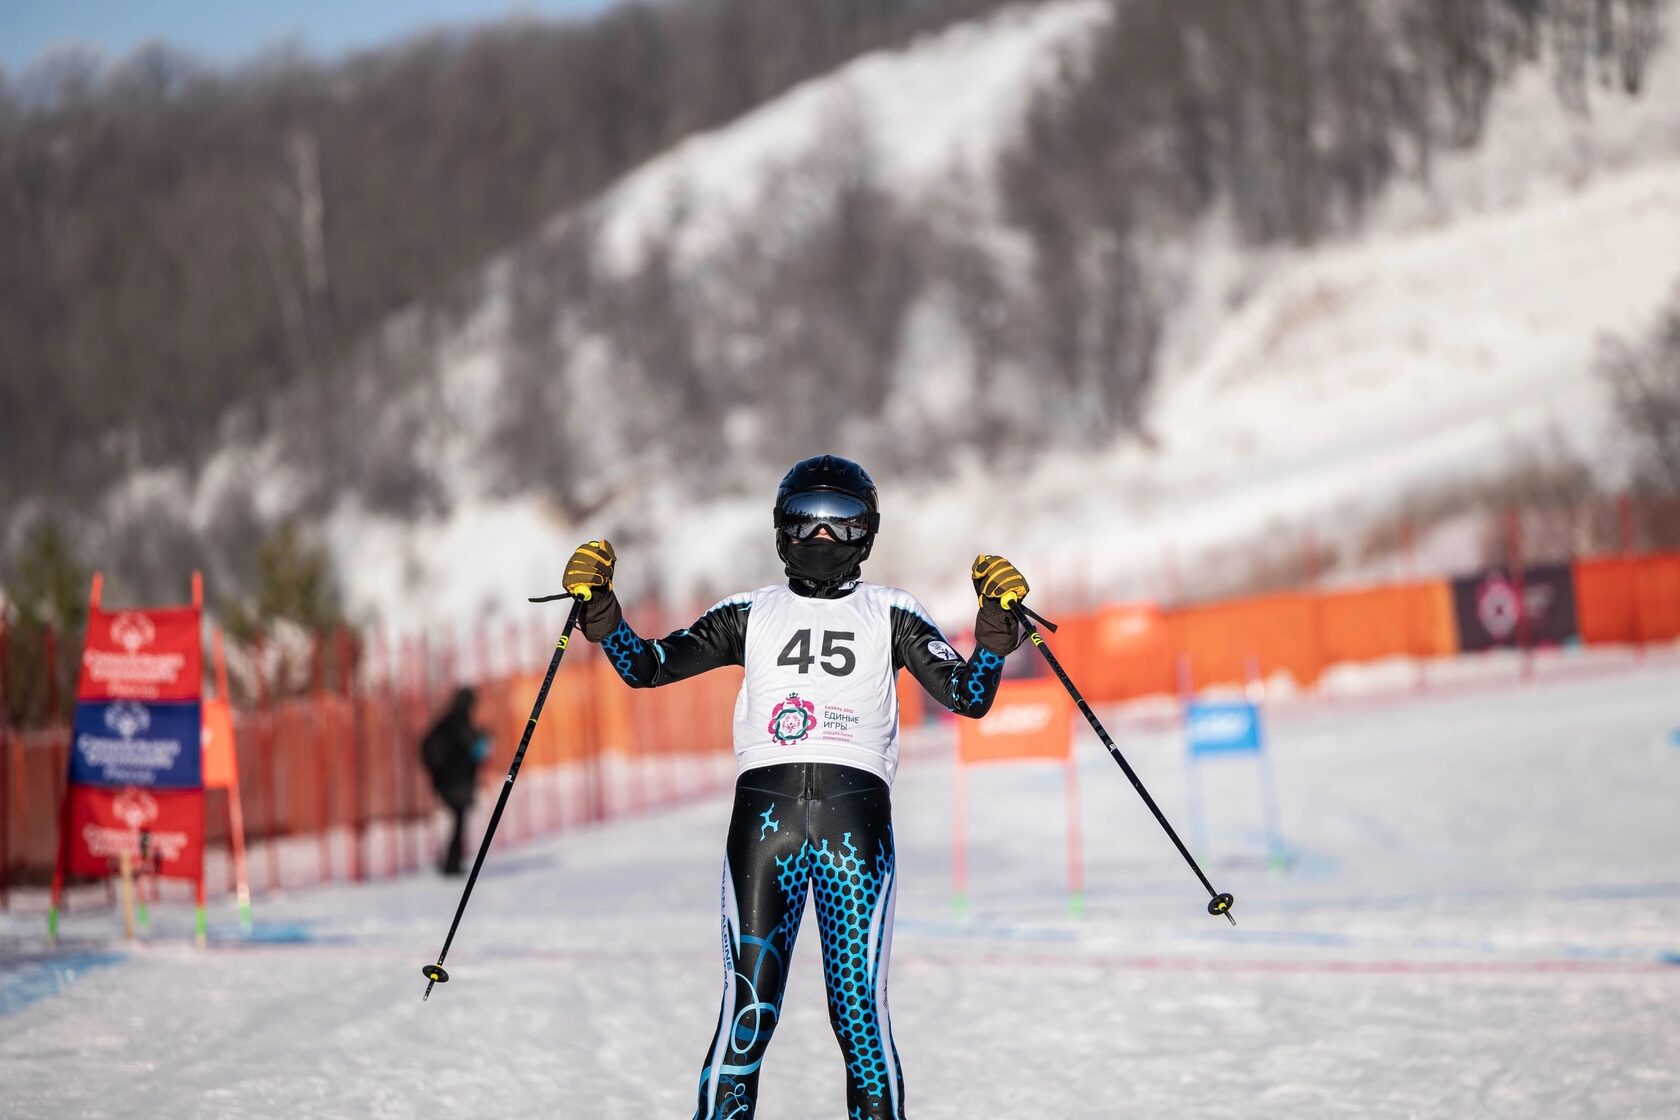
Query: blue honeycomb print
{"type": "Point", "coordinates": [979, 679]}
{"type": "Point", "coordinates": [846, 893]}
{"type": "Point", "coordinates": [623, 645]}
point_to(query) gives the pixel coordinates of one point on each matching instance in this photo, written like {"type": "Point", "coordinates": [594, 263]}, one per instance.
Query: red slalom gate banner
{"type": "Point", "coordinates": [142, 655]}
{"type": "Point", "coordinates": [1030, 721]}
{"type": "Point", "coordinates": [161, 828]}
{"type": "Point", "coordinates": [134, 796]}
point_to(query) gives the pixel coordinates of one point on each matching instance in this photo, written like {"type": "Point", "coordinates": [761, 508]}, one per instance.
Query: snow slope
{"type": "Point", "coordinates": [1452, 335]}
{"type": "Point", "coordinates": [1360, 372]}
{"type": "Point", "coordinates": [940, 109]}
{"type": "Point", "coordinates": [1480, 921]}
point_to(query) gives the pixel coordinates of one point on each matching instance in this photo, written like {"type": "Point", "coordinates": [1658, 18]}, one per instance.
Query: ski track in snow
{"type": "Point", "coordinates": [1482, 920]}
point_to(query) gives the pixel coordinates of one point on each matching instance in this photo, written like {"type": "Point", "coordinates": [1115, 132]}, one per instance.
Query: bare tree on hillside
{"type": "Point", "coordinates": [1644, 377]}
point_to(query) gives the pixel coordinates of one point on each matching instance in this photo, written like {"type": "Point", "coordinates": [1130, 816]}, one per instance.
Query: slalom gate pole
{"type": "Point", "coordinates": [1219, 904]}
{"type": "Point", "coordinates": [434, 973]}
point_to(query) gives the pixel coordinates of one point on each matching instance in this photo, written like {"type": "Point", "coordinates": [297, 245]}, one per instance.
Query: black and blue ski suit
{"type": "Point", "coordinates": [812, 812]}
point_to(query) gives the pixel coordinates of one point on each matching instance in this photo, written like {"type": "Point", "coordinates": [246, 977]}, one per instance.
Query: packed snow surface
{"type": "Point", "coordinates": [1481, 918]}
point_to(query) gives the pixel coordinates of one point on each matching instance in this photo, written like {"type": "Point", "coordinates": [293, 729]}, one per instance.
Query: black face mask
{"type": "Point", "coordinates": [822, 562]}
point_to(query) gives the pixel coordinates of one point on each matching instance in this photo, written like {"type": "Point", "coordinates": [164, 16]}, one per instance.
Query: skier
{"type": "Point", "coordinates": [816, 740]}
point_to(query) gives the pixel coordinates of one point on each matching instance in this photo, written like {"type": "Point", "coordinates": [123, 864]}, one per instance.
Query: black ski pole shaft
{"type": "Point", "coordinates": [1220, 904]}
{"type": "Point", "coordinates": [435, 973]}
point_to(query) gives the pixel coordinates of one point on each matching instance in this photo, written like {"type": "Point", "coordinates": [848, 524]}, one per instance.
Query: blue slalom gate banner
{"type": "Point", "coordinates": [129, 743]}
{"type": "Point", "coordinates": [1222, 727]}
{"type": "Point", "coordinates": [1228, 727]}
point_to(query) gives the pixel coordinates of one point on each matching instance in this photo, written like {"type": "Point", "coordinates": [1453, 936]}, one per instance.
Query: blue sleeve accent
{"type": "Point", "coordinates": [974, 685]}
{"type": "Point", "coordinates": [965, 687]}
{"type": "Point", "coordinates": [717, 638]}
{"type": "Point", "coordinates": [629, 655]}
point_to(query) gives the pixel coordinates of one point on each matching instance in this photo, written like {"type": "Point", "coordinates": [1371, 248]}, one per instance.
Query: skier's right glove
{"type": "Point", "coordinates": [589, 578]}
{"type": "Point", "coordinates": [996, 580]}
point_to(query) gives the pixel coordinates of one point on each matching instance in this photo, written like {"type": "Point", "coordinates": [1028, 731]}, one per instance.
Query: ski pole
{"type": "Point", "coordinates": [1219, 904]}
{"type": "Point", "coordinates": [434, 973]}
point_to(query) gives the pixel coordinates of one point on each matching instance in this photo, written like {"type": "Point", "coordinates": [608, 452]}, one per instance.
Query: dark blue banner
{"type": "Point", "coordinates": [1485, 607]}
{"type": "Point", "coordinates": [134, 743]}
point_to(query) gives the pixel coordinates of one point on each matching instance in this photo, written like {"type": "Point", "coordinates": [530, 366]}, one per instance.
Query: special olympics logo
{"type": "Point", "coordinates": [792, 719]}
{"type": "Point", "coordinates": [136, 808]}
{"type": "Point", "coordinates": [1497, 608]}
{"type": "Point", "coordinates": [133, 632]}
{"type": "Point", "coordinates": [127, 719]}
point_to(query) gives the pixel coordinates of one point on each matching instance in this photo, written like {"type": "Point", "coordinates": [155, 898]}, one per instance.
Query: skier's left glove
{"type": "Point", "coordinates": [995, 581]}
{"type": "Point", "coordinates": [589, 578]}
{"type": "Point", "coordinates": [590, 567]}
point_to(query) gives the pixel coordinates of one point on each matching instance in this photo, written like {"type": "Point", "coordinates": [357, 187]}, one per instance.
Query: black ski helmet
{"type": "Point", "coordinates": [833, 473]}
{"type": "Point", "coordinates": [828, 472]}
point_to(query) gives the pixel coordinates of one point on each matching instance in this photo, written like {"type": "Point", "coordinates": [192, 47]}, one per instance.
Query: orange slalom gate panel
{"type": "Point", "coordinates": [220, 768]}
{"type": "Point", "coordinates": [1029, 719]}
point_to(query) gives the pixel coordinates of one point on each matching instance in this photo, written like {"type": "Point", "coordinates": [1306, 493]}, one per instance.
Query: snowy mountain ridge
{"type": "Point", "coordinates": [1452, 332]}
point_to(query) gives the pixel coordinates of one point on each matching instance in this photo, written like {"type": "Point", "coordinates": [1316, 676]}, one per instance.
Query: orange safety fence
{"type": "Point", "coordinates": [1628, 599]}
{"type": "Point", "coordinates": [347, 761]}
{"type": "Point", "coordinates": [1411, 619]}
{"type": "Point", "coordinates": [1127, 650]}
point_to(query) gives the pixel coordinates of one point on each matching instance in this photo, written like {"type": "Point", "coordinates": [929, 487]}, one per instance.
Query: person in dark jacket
{"type": "Point", "coordinates": [452, 750]}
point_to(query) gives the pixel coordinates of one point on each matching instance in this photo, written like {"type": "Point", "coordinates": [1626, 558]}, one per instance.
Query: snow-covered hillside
{"type": "Point", "coordinates": [942, 107]}
{"type": "Point", "coordinates": [923, 115]}
{"type": "Point", "coordinates": [1454, 333]}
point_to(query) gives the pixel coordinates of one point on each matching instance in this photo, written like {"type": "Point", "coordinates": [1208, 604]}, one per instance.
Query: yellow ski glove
{"type": "Point", "coordinates": [998, 580]}
{"type": "Point", "coordinates": [590, 569]}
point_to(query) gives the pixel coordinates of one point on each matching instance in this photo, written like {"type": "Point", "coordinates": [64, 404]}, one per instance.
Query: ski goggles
{"type": "Point", "coordinates": [846, 518]}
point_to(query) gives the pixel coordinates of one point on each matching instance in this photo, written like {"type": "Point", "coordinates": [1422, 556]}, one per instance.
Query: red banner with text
{"type": "Point", "coordinates": [142, 655]}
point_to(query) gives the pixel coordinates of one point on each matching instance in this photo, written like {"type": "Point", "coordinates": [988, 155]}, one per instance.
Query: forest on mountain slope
{"type": "Point", "coordinates": [180, 246]}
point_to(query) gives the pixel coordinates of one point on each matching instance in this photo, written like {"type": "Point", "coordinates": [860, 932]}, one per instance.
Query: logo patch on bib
{"type": "Point", "coordinates": [792, 719]}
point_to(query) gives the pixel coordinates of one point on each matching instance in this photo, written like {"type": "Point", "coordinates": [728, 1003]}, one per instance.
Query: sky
{"type": "Point", "coordinates": [227, 31]}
